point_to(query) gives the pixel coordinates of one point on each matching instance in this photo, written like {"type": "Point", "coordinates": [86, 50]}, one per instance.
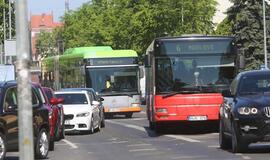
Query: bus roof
{"type": "Point", "coordinates": [111, 54]}
{"type": "Point", "coordinates": [195, 37]}
{"type": "Point", "coordinates": [96, 54]}
{"type": "Point", "coordinates": [78, 50]}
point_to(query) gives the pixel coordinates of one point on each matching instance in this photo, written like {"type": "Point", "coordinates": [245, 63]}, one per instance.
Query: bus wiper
{"type": "Point", "coordinates": [248, 93]}
{"type": "Point", "coordinates": [180, 92]}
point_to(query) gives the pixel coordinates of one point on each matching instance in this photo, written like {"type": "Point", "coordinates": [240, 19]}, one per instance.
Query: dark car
{"type": "Point", "coordinates": [58, 113]}
{"type": "Point", "coordinates": [93, 94]}
{"type": "Point", "coordinates": [9, 121]}
{"type": "Point", "coordinates": [245, 113]}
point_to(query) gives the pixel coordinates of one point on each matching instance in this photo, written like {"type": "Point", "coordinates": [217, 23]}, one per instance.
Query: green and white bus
{"type": "Point", "coordinates": [113, 74]}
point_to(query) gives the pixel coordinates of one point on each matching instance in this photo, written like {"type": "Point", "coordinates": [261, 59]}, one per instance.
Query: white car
{"type": "Point", "coordinates": [81, 112]}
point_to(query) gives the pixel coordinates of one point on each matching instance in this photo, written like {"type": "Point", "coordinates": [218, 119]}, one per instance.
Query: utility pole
{"type": "Point", "coordinates": [66, 6]}
{"type": "Point", "coordinates": [4, 20]}
{"type": "Point", "coordinates": [9, 18]}
{"type": "Point", "coordinates": [26, 147]}
{"type": "Point", "coordinates": [4, 30]}
{"type": "Point", "coordinates": [264, 37]}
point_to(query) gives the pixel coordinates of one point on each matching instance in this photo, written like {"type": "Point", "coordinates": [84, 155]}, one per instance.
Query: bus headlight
{"type": "Point", "coordinates": [135, 105]}
{"type": "Point", "coordinates": [161, 110]}
{"type": "Point", "coordinates": [247, 110]}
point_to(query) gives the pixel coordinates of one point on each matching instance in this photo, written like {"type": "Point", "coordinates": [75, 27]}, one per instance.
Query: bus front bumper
{"type": "Point", "coordinates": [122, 109]}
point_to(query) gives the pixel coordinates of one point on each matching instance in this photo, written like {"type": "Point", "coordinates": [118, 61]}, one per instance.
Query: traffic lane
{"type": "Point", "coordinates": [121, 142]}
{"type": "Point", "coordinates": [207, 136]}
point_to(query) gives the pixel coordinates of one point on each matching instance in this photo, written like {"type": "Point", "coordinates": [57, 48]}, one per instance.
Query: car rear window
{"type": "Point", "coordinates": [73, 98]}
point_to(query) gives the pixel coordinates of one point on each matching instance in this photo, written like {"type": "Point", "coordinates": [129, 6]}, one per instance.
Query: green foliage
{"type": "Point", "coordinates": [133, 24]}
{"type": "Point", "coordinates": [224, 28]}
{"type": "Point", "coordinates": [246, 17]}
{"type": "Point", "coordinates": [2, 7]}
{"type": "Point", "coordinates": [46, 44]}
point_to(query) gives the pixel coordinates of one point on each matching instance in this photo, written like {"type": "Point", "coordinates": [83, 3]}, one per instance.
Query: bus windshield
{"type": "Point", "coordinates": [198, 73]}
{"type": "Point", "coordinates": [113, 80]}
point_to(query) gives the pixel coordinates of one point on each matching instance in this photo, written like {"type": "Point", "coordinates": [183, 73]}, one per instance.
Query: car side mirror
{"type": "Point", "coordinates": [61, 100]}
{"type": "Point", "coordinates": [95, 103]}
{"type": "Point", "coordinates": [227, 93]}
{"type": "Point", "coordinates": [54, 101]}
{"type": "Point", "coordinates": [101, 99]}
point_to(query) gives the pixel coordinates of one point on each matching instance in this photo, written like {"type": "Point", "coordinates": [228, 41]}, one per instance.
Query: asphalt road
{"type": "Point", "coordinates": [131, 139]}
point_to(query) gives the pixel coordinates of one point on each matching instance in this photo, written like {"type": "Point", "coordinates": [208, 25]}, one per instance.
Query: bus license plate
{"type": "Point", "coordinates": [113, 109]}
{"type": "Point", "coordinates": [197, 118]}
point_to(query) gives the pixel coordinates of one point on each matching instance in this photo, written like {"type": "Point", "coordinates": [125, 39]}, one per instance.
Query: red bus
{"type": "Point", "coordinates": [185, 77]}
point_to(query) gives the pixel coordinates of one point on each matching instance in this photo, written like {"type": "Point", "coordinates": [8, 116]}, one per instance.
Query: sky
{"type": "Point", "coordinates": [57, 7]}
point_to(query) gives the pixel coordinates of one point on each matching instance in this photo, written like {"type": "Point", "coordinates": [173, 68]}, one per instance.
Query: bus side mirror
{"type": "Point", "coordinates": [226, 93]}
{"type": "Point", "coordinates": [147, 61]}
{"type": "Point", "coordinates": [141, 72]}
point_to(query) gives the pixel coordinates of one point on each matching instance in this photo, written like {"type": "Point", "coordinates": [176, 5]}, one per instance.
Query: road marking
{"type": "Point", "coordinates": [214, 146]}
{"type": "Point", "coordinates": [72, 145]}
{"type": "Point", "coordinates": [128, 125]}
{"type": "Point", "coordinates": [143, 150]}
{"type": "Point", "coordinates": [137, 145]}
{"type": "Point", "coordinates": [116, 142]}
{"type": "Point", "coordinates": [246, 157]}
{"type": "Point", "coordinates": [243, 156]}
{"type": "Point", "coordinates": [143, 129]}
{"type": "Point", "coordinates": [183, 138]}
{"type": "Point", "coordinates": [188, 157]}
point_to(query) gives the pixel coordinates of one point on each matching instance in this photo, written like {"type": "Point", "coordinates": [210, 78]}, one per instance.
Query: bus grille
{"type": "Point", "coordinates": [267, 111]}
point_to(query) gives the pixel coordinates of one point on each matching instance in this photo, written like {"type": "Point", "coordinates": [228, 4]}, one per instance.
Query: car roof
{"type": "Point", "coordinates": [75, 89]}
{"type": "Point", "coordinates": [255, 73]}
{"type": "Point", "coordinates": [70, 91]}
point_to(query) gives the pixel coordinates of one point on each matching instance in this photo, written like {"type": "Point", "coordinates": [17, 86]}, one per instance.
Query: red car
{"type": "Point", "coordinates": [57, 119]}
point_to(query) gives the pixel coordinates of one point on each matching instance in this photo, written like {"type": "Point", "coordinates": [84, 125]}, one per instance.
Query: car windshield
{"type": "Point", "coordinates": [73, 98]}
{"type": "Point", "coordinates": [250, 85]}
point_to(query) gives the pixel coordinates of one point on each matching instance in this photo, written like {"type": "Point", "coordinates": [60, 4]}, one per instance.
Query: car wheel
{"type": "Point", "coordinates": [152, 125]}
{"type": "Point", "coordinates": [129, 115]}
{"type": "Point", "coordinates": [99, 126]}
{"type": "Point", "coordinates": [92, 128]}
{"type": "Point", "coordinates": [51, 145]}
{"type": "Point", "coordinates": [224, 142]}
{"type": "Point", "coordinates": [237, 145]}
{"type": "Point", "coordinates": [3, 146]}
{"type": "Point", "coordinates": [42, 144]}
{"type": "Point", "coordinates": [103, 121]}
{"type": "Point", "coordinates": [57, 132]}
{"type": "Point", "coordinates": [62, 133]}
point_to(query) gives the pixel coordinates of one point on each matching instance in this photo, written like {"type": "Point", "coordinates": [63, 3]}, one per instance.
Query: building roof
{"type": "Point", "coordinates": [44, 21]}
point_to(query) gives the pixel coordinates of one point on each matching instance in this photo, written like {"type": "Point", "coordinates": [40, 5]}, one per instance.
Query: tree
{"type": "Point", "coordinates": [4, 5]}
{"type": "Point", "coordinates": [133, 24]}
{"type": "Point", "coordinates": [246, 18]}
{"type": "Point", "coordinates": [224, 28]}
{"type": "Point", "coordinates": [46, 44]}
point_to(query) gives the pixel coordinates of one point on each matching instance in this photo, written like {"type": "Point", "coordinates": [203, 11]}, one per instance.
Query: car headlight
{"type": "Point", "coordinates": [247, 110]}
{"type": "Point", "coordinates": [50, 113]}
{"type": "Point", "coordinates": [83, 114]}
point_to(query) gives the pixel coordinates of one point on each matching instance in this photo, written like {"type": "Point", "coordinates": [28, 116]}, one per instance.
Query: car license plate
{"type": "Point", "coordinates": [67, 122]}
{"type": "Point", "coordinates": [197, 118]}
